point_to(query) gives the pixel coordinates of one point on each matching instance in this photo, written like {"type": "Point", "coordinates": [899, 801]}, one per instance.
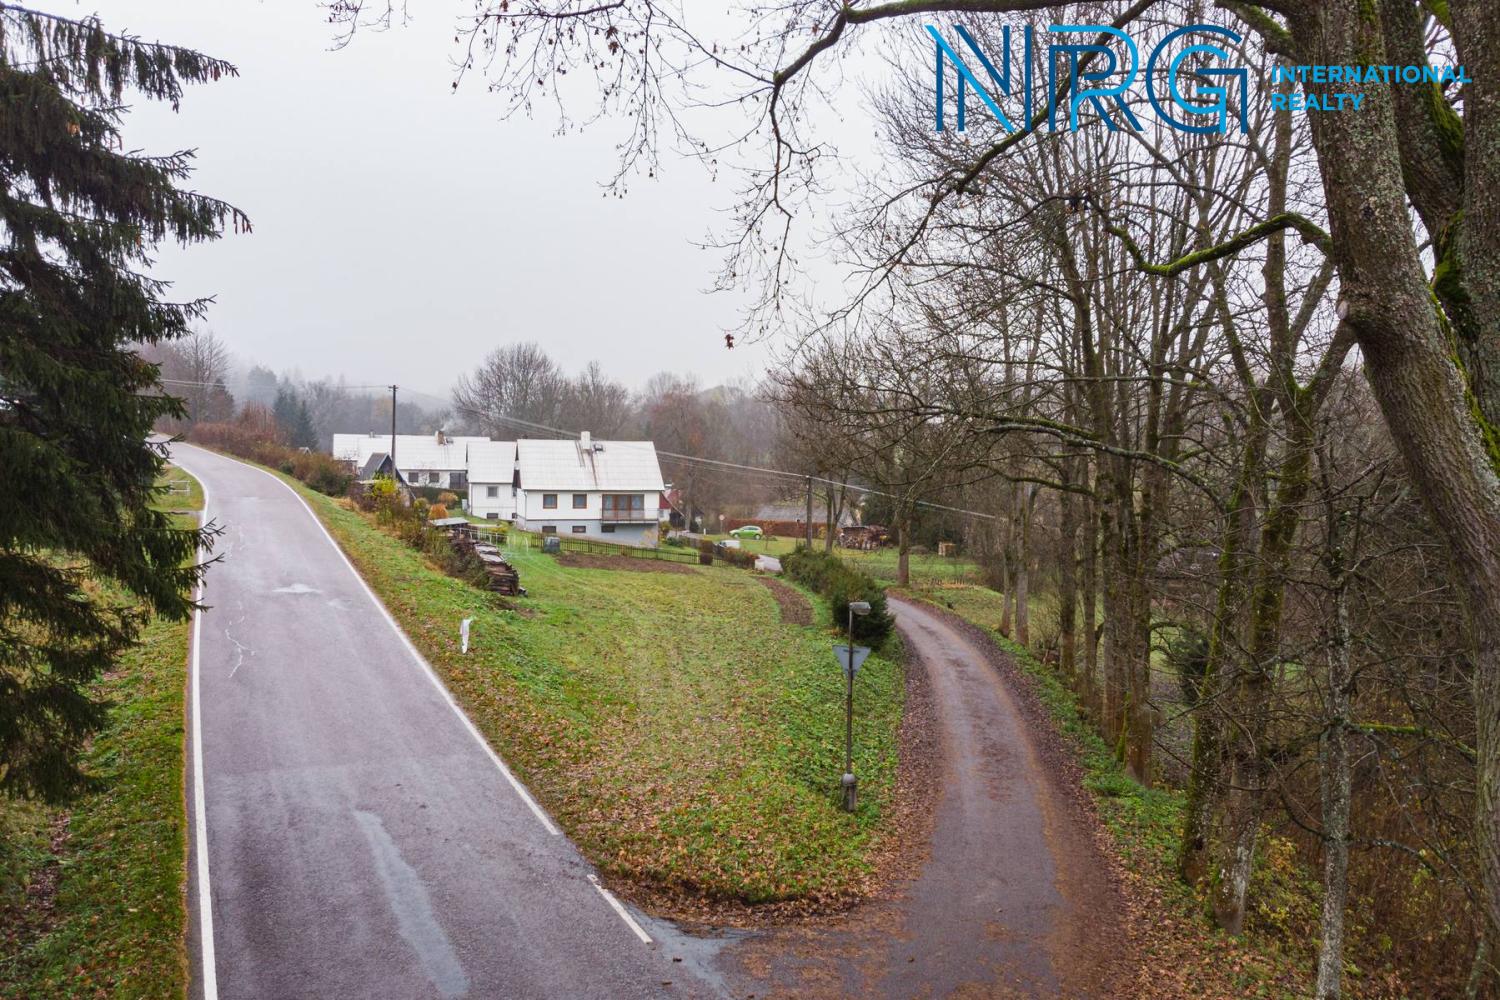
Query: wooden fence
{"type": "Point", "coordinates": [533, 540]}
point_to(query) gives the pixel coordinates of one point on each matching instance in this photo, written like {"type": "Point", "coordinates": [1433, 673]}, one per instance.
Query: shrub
{"type": "Point", "coordinates": [249, 439]}
{"type": "Point", "coordinates": [705, 552]}
{"type": "Point", "coordinates": [437, 511]}
{"type": "Point", "coordinates": [737, 557]}
{"type": "Point", "coordinates": [841, 584]}
{"type": "Point", "coordinates": [448, 499]}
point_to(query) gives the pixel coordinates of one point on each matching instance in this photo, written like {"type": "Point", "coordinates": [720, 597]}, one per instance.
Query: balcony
{"type": "Point", "coordinates": [620, 515]}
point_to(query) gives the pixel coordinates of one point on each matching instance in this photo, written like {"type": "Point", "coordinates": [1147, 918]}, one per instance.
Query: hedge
{"type": "Point", "coordinates": [841, 584]}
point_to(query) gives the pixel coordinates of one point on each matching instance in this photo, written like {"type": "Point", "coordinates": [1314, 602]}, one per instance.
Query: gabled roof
{"type": "Point", "coordinates": [794, 511]}
{"type": "Point", "coordinates": [492, 461]}
{"type": "Point", "coordinates": [601, 465]}
{"type": "Point", "coordinates": [413, 451]}
{"type": "Point", "coordinates": [372, 465]}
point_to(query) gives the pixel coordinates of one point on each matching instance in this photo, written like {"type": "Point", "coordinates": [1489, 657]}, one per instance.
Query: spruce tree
{"type": "Point", "coordinates": [84, 559]}
{"type": "Point", "coordinates": [304, 434]}
{"type": "Point", "coordinates": [285, 412]}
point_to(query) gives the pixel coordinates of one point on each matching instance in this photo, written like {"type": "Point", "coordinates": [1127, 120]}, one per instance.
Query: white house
{"type": "Point", "coordinates": [611, 490]}
{"type": "Point", "coordinates": [435, 460]}
{"type": "Point", "coordinates": [492, 479]}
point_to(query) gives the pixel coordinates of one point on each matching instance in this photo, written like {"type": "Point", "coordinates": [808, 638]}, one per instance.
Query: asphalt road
{"type": "Point", "coordinates": [360, 839]}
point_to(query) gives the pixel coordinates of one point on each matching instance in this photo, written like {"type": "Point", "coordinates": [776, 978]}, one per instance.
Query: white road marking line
{"type": "Point", "coordinates": [415, 655]}
{"type": "Point", "coordinates": [614, 903]}
{"type": "Point", "coordinates": [421, 661]}
{"type": "Point", "coordinates": [200, 816]}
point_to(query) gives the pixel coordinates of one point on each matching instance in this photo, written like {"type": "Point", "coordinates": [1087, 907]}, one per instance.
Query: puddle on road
{"type": "Point", "coordinates": [296, 588]}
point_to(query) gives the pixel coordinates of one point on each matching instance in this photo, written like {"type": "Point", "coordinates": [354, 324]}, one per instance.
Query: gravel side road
{"type": "Point", "coordinates": [1014, 899]}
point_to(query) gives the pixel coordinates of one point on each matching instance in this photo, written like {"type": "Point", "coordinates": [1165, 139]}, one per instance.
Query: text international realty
{"type": "Point", "coordinates": [1308, 101]}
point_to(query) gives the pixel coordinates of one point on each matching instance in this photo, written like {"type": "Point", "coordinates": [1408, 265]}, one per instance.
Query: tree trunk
{"type": "Point", "coordinates": [1410, 365]}
{"type": "Point", "coordinates": [1333, 776]}
{"type": "Point", "coordinates": [1251, 701]}
{"type": "Point", "coordinates": [1023, 567]}
{"type": "Point", "coordinates": [1006, 574]}
{"type": "Point", "coordinates": [903, 561]}
{"type": "Point", "coordinates": [1067, 579]}
{"type": "Point", "coordinates": [1205, 781]}
{"type": "Point", "coordinates": [1090, 544]}
{"type": "Point", "coordinates": [828, 528]}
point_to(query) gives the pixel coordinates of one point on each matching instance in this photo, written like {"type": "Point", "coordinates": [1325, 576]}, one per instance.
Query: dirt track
{"type": "Point", "coordinates": [1013, 900]}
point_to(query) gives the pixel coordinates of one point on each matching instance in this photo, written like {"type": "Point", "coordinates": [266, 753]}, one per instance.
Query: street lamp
{"type": "Point", "coordinates": [850, 783]}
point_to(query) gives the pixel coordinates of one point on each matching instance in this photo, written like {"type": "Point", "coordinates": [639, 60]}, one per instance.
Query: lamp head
{"type": "Point", "coordinates": [859, 607]}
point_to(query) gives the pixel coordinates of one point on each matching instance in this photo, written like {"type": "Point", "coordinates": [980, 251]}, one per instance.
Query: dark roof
{"type": "Point", "coordinates": [374, 464]}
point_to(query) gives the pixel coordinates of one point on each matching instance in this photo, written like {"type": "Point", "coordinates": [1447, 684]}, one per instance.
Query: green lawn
{"type": "Point", "coordinates": [114, 924]}
{"type": "Point", "coordinates": [771, 545]}
{"type": "Point", "coordinates": [926, 568]}
{"type": "Point", "coordinates": [688, 740]}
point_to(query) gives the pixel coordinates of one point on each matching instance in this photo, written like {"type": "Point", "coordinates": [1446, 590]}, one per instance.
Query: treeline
{"type": "Point", "coordinates": [200, 370]}
{"type": "Point", "coordinates": [520, 391]}
{"type": "Point", "coordinates": [255, 435]}
{"type": "Point", "coordinates": [1197, 511]}
{"type": "Point", "coordinates": [516, 391]}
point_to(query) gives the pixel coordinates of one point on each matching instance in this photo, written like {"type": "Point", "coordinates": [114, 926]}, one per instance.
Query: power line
{"type": "Point", "coordinates": [222, 385]}
{"type": "Point", "coordinates": [798, 476]}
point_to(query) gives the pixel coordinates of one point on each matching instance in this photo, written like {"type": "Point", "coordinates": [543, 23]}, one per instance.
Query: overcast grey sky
{"type": "Point", "coordinates": [403, 230]}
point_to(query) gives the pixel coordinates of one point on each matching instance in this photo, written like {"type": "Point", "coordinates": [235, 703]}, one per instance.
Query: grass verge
{"type": "Point", "coordinates": [91, 894]}
{"type": "Point", "coordinates": [688, 740]}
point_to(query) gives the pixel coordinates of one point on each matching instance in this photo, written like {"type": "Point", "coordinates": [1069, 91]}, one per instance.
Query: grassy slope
{"type": "Point", "coordinates": [1186, 955]}
{"type": "Point", "coordinates": [685, 737]}
{"type": "Point", "coordinates": [115, 927]}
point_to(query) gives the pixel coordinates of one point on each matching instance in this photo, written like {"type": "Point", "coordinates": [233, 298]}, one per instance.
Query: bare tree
{"type": "Point", "coordinates": [515, 386]}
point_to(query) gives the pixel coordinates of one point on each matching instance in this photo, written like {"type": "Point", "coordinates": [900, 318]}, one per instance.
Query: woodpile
{"type": "Point", "coordinates": [503, 578]}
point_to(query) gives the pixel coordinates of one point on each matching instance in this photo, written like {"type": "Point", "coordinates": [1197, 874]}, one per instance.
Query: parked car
{"type": "Point", "coordinates": [728, 543]}
{"type": "Point", "coordinates": [748, 531]}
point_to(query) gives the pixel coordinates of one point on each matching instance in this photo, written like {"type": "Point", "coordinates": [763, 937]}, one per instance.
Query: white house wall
{"type": "Point", "coordinates": [424, 477]}
{"type": "Point", "coordinates": [532, 516]}
{"type": "Point", "coordinates": [502, 506]}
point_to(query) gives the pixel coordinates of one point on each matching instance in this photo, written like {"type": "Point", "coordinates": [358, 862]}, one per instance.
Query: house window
{"type": "Point", "coordinates": [492, 516]}
{"type": "Point", "coordinates": [580, 529]}
{"type": "Point", "coordinates": [492, 491]}
{"type": "Point", "coordinates": [433, 478]}
{"type": "Point", "coordinates": [625, 506]}
{"type": "Point", "coordinates": [608, 529]}
{"type": "Point", "coordinates": [549, 529]}
{"type": "Point", "coordinates": [549, 501]}
{"type": "Point", "coordinates": [580, 501]}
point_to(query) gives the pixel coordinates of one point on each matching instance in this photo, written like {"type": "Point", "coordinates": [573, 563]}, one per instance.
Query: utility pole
{"type": "Point", "coordinates": [395, 476]}
{"type": "Point", "coordinates": [809, 514]}
{"type": "Point", "coordinates": [855, 656]}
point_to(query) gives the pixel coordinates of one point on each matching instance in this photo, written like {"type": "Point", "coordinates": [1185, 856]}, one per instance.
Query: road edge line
{"type": "Point", "coordinates": [619, 908]}
{"type": "Point", "coordinates": [416, 654]}
{"type": "Point", "coordinates": [200, 811]}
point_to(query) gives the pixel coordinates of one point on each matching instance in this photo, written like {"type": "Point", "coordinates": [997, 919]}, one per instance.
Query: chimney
{"type": "Point", "coordinates": [584, 442]}
{"type": "Point", "coordinates": [441, 437]}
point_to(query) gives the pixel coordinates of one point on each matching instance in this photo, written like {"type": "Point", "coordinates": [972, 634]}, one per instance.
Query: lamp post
{"type": "Point", "coordinates": [851, 783]}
